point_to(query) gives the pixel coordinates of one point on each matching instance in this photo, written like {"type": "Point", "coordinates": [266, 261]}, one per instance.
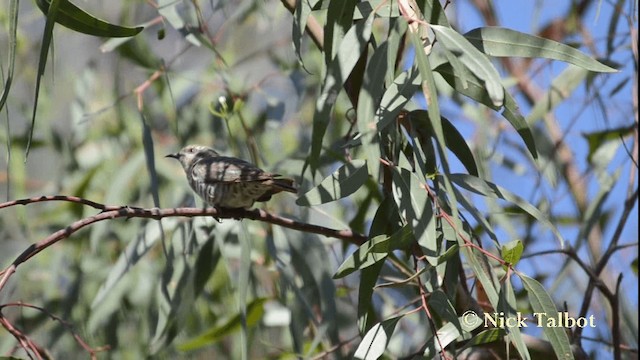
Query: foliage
{"type": "Point", "coordinates": [446, 147]}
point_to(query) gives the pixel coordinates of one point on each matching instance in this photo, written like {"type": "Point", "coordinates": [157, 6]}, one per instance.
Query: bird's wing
{"type": "Point", "coordinates": [222, 169]}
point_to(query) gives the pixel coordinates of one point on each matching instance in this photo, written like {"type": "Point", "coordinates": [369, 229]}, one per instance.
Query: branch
{"type": "Point", "coordinates": [113, 212]}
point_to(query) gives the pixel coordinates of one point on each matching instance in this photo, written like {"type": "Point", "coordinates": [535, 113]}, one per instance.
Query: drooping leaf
{"type": "Point", "coordinates": [255, 310]}
{"type": "Point", "coordinates": [339, 20]}
{"type": "Point", "coordinates": [47, 37]}
{"type": "Point", "coordinates": [486, 188]}
{"type": "Point", "coordinates": [503, 42]}
{"type": "Point", "coordinates": [11, 54]}
{"type": "Point", "coordinates": [561, 88]}
{"type": "Point", "coordinates": [300, 18]}
{"type": "Point", "coordinates": [508, 309]}
{"type": "Point", "coordinates": [351, 47]}
{"type": "Point", "coordinates": [367, 315]}
{"type": "Point", "coordinates": [341, 183]}
{"type": "Point", "coordinates": [440, 303]}
{"type": "Point", "coordinates": [430, 93]}
{"type": "Point", "coordinates": [374, 250]}
{"type": "Point", "coordinates": [476, 91]}
{"type": "Point", "coordinates": [368, 106]}
{"type": "Point", "coordinates": [376, 340]}
{"type": "Point", "coordinates": [483, 273]}
{"type": "Point", "coordinates": [454, 142]}
{"type": "Point", "coordinates": [542, 304]}
{"type": "Point", "coordinates": [415, 207]}
{"type": "Point", "coordinates": [76, 19]}
{"type": "Point", "coordinates": [448, 333]}
{"type": "Point", "coordinates": [474, 60]}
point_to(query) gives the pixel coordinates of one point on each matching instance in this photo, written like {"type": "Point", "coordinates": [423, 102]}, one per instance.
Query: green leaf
{"type": "Point", "coordinates": [353, 44]}
{"type": "Point", "coordinates": [476, 91]}
{"type": "Point", "coordinates": [366, 311]}
{"type": "Point", "coordinates": [342, 183]}
{"type": "Point", "coordinates": [374, 250]}
{"type": "Point", "coordinates": [300, 17]}
{"type": "Point", "coordinates": [115, 43]}
{"type": "Point", "coordinates": [255, 310]}
{"type": "Point", "coordinates": [394, 99]}
{"type": "Point", "coordinates": [486, 188]}
{"type": "Point", "coordinates": [454, 142]}
{"type": "Point", "coordinates": [414, 205]}
{"type": "Point", "coordinates": [542, 304]}
{"type": "Point", "coordinates": [368, 106]}
{"type": "Point", "coordinates": [383, 8]}
{"type": "Point", "coordinates": [561, 88]}
{"type": "Point", "coordinates": [11, 54]}
{"type": "Point", "coordinates": [339, 20]}
{"type": "Point", "coordinates": [476, 61]}
{"type": "Point", "coordinates": [448, 333]}
{"type": "Point", "coordinates": [376, 340]}
{"type": "Point", "coordinates": [512, 251]}
{"type": "Point", "coordinates": [76, 19]}
{"type": "Point", "coordinates": [439, 302]}
{"type": "Point", "coordinates": [485, 337]}
{"type": "Point", "coordinates": [47, 37]}
{"type": "Point", "coordinates": [483, 273]}
{"type": "Point", "coordinates": [503, 42]}
{"type": "Point", "coordinates": [599, 138]}
{"type": "Point", "coordinates": [509, 308]}
{"type": "Point", "coordinates": [430, 92]}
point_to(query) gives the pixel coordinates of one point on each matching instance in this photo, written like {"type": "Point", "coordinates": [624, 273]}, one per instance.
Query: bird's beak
{"type": "Point", "coordinates": [175, 156]}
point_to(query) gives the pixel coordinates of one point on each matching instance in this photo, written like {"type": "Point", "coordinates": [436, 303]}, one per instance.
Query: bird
{"type": "Point", "coordinates": [228, 182]}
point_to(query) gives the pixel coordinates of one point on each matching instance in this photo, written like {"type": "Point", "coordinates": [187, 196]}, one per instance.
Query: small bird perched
{"type": "Point", "coordinates": [228, 182]}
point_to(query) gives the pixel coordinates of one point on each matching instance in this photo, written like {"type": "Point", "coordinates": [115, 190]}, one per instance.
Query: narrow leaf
{"type": "Point", "coordinates": [255, 310]}
{"type": "Point", "coordinates": [486, 188]}
{"type": "Point", "coordinates": [543, 305]}
{"type": "Point", "coordinates": [476, 61]}
{"type": "Point", "coordinates": [374, 250]}
{"type": "Point", "coordinates": [47, 37]}
{"type": "Point", "coordinates": [342, 183]}
{"type": "Point", "coordinates": [509, 308]}
{"type": "Point", "coordinates": [74, 18]}
{"type": "Point", "coordinates": [376, 340]}
{"type": "Point", "coordinates": [503, 42]}
{"type": "Point", "coordinates": [348, 54]}
{"type": "Point", "coordinates": [11, 54]}
{"type": "Point", "coordinates": [476, 91]}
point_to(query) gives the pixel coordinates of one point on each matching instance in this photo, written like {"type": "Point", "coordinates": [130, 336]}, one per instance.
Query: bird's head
{"type": "Point", "coordinates": [191, 153]}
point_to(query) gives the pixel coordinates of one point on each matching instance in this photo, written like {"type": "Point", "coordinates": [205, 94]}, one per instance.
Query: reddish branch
{"type": "Point", "coordinates": [113, 212]}
{"type": "Point", "coordinates": [108, 212]}
{"type": "Point", "coordinates": [27, 344]}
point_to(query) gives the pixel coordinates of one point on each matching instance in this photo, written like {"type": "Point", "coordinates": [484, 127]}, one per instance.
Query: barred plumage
{"type": "Point", "coordinates": [227, 181]}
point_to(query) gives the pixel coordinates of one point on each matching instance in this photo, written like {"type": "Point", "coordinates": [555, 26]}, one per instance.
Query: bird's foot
{"type": "Point", "coordinates": [220, 209]}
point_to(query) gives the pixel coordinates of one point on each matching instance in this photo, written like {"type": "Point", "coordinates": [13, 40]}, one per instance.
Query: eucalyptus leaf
{"type": "Point", "coordinates": [76, 19]}
{"type": "Point", "coordinates": [486, 188]}
{"type": "Point", "coordinates": [341, 183]}
{"type": "Point", "coordinates": [476, 61]}
{"type": "Point", "coordinates": [503, 42]}
{"type": "Point", "coordinates": [543, 305]}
